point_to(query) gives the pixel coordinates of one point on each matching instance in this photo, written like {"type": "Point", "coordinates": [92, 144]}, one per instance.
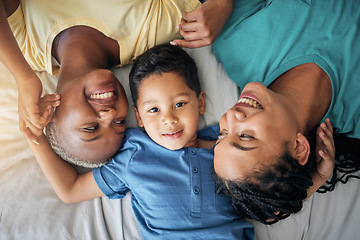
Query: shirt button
{"type": "Point", "coordinates": [195, 170]}
{"type": "Point", "coordinates": [196, 190]}
{"type": "Point", "coordinates": [192, 151]}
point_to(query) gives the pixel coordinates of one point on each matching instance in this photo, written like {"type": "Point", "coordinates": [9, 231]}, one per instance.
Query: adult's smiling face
{"type": "Point", "coordinates": [90, 121]}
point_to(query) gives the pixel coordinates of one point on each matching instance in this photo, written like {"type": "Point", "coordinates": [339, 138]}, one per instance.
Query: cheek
{"type": "Point", "coordinates": [222, 122]}
{"type": "Point", "coordinates": [152, 127]}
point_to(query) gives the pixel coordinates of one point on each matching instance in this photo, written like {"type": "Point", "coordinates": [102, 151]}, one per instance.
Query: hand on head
{"type": "Point", "coordinates": [46, 107]}
{"type": "Point", "coordinates": [201, 27]}
{"type": "Point", "coordinates": [325, 149]}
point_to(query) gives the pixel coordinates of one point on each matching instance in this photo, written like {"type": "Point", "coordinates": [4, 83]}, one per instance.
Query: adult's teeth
{"type": "Point", "coordinates": [250, 102]}
{"type": "Point", "coordinates": [102, 95]}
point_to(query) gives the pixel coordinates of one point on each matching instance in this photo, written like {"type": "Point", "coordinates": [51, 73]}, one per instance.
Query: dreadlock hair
{"type": "Point", "coordinates": [271, 193]}
{"type": "Point", "coordinates": [163, 58]}
{"type": "Point", "coordinates": [54, 141]}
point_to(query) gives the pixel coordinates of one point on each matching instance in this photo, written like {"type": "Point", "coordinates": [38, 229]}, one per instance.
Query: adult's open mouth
{"type": "Point", "coordinates": [104, 96]}
{"type": "Point", "coordinates": [249, 100]}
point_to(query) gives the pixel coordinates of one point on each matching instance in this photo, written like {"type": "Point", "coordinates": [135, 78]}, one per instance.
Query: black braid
{"type": "Point", "coordinates": [271, 193]}
{"type": "Point", "coordinates": [274, 193]}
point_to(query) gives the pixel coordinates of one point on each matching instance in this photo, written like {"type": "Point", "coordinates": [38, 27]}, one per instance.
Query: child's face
{"type": "Point", "coordinates": [169, 110]}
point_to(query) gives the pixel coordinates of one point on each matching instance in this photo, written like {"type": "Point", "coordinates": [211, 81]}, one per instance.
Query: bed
{"type": "Point", "coordinates": [29, 208]}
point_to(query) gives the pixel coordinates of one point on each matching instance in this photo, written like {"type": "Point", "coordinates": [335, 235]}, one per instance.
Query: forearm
{"type": "Point", "coordinates": [10, 53]}
{"type": "Point", "coordinates": [318, 181]}
{"type": "Point", "coordinates": [64, 179]}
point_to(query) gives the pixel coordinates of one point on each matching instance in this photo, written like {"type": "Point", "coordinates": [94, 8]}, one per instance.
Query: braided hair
{"type": "Point", "coordinates": [271, 193]}
{"type": "Point", "coordinates": [274, 192]}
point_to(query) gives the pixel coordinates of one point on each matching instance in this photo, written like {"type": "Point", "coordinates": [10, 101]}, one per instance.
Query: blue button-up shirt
{"type": "Point", "coordinates": [173, 192]}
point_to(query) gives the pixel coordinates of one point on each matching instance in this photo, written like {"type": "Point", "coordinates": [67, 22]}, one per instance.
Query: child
{"type": "Point", "coordinates": [167, 167]}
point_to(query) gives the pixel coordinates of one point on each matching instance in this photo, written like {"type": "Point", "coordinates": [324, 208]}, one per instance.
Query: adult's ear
{"type": "Point", "coordinates": [202, 103]}
{"type": "Point", "coordinates": [138, 118]}
{"type": "Point", "coordinates": [302, 149]}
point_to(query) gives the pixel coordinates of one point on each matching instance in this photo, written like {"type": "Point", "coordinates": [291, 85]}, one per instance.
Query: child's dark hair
{"type": "Point", "coordinates": [160, 59]}
{"type": "Point", "coordinates": [274, 193]}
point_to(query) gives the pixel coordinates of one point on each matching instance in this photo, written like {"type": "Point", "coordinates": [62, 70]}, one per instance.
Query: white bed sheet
{"type": "Point", "coordinates": [29, 208]}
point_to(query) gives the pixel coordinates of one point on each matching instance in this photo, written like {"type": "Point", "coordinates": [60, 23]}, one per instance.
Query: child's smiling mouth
{"type": "Point", "coordinates": [173, 135]}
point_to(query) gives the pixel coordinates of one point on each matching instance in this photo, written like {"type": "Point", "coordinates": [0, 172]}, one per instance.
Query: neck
{"type": "Point", "coordinates": [307, 92]}
{"type": "Point", "coordinates": [205, 143]}
{"type": "Point", "coordinates": [200, 143]}
{"type": "Point", "coordinates": [82, 49]}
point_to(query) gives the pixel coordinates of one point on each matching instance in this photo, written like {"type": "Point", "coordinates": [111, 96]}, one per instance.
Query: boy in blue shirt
{"type": "Point", "coordinates": [168, 168]}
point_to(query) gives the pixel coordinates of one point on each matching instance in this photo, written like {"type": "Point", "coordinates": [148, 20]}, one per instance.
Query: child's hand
{"type": "Point", "coordinates": [200, 27]}
{"type": "Point", "coordinates": [325, 149]}
{"type": "Point", "coordinates": [47, 105]}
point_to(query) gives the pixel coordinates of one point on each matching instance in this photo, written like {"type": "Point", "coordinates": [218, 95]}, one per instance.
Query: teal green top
{"type": "Point", "coordinates": [264, 39]}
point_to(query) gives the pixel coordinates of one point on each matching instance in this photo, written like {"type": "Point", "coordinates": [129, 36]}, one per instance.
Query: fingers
{"type": "Point", "coordinates": [325, 133]}
{"type": "Point", "coordinates": [50, 99]}
{"type": "Point", "coordinates": [47, 106]}
{"type": "Point", "coordinates": [194, 32]}
{"type": "Point", "coordinates": [189, 44]}
{"type": "Point", "coordinates": [190, 16]}
{"type": "Point", "coordinates": [43, 115]}
{"type": "Point", "coordinates": [192, 39]}
{"type": "Point", "coordinates": [26, 129]}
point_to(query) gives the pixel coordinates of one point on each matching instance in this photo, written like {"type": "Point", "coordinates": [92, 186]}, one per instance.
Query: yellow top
{"type": "Point", "coordinates": [136, 25]}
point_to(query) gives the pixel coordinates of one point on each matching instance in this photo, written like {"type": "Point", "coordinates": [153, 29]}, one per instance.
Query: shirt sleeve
{"type": "Point", "coordinates": [109, 182]}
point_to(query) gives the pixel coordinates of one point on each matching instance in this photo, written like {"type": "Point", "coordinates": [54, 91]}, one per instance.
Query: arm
{"type": "Point", "coordinates": [325, 156]}
{"type": "Point", "coordinates": [47, 105]}
{"type": "Point", "coordinates": [29, 85]}
{"type": "Point", "coordinates": [69, 185]}
{"type": "Point", "coordinates": [201, 27]}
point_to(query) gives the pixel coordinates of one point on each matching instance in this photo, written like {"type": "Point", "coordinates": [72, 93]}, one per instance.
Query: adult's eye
{"type": "Point", "coordinates": [119, 122]}
{"type": "Point", "coordinates": [246, 136]}
{"type": "Point", "coordinates": [222, 135]}
{"type": "Point", "coordinates": [91, 129]}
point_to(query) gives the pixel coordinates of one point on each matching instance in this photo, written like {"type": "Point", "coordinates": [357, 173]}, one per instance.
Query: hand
{"type": "Point", "coordinates": [47, 105]}
{"type": "Point", "coordinates": [325, 149]}
{"type": "Point", "coordinates": [201, 27]}
{"type": "Point", "coordinates": [29, 93]}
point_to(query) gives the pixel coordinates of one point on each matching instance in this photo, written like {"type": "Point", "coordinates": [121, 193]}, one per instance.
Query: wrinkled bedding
{"type": "Point", "coordinates": [29, 208]}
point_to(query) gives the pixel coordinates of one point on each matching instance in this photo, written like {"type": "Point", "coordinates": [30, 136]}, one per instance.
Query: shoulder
{"type": "Point", "coordinates": [137, 139]}
{"type": "Point", "coordinates": [209, 133]}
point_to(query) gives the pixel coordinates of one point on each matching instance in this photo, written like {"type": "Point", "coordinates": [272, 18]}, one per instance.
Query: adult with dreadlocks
{"type": "Point", "coordinates": [297, 65]}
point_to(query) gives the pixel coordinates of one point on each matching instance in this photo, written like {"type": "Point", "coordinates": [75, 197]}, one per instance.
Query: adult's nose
{"type": "Point", "coordinates": [107, 113]}
{"type": "Point", "coordinates": [234, 114]}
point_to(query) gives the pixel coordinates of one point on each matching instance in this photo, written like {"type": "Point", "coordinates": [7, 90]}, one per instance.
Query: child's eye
{"type": "Point", "coordinates": [91, 129]}
{"type": "Point", "coordinates": [152, 110]}
{"type": "Point", "coordinates": [180, 104]}
{"type": "Point", "coordinates": [119, 122]}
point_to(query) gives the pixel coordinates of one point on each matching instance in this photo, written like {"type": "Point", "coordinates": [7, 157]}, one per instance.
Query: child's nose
{"type": "Point", "coordinates": [169, 119]}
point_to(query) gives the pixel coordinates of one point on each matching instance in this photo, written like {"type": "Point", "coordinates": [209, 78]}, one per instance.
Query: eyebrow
{"type": "Point", "coordinates": [91, 139]}
{"type": "Point", "coordinates": [237, 146]}
{"type": "Point", "coordinates": [154, 100]}
{"type": "Point", "coordinates": [98, 137]}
